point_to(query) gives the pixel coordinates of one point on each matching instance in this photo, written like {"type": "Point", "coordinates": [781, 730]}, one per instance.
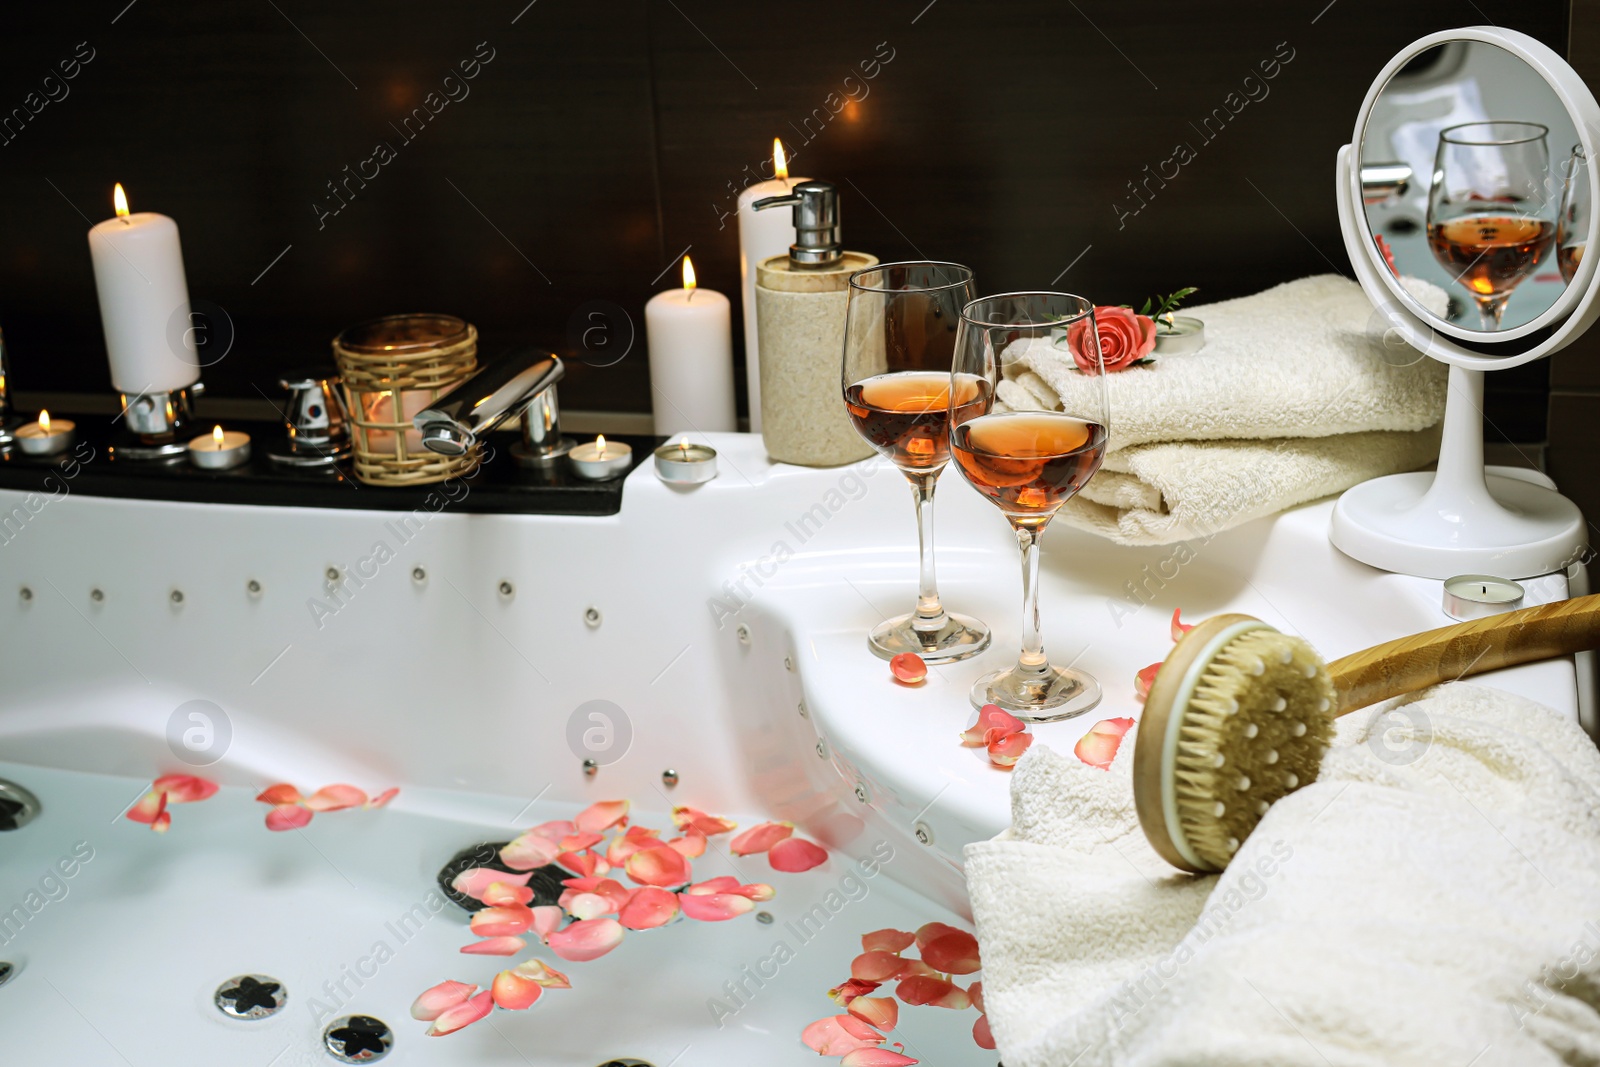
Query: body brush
{"type": "Point", "coordinates": [1239, 714]}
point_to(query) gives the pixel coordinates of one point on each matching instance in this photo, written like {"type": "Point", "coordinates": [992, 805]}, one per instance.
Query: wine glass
{"type": "Point", "coordinates": [1572, 226]}
{"type": "Point", "coordinates": [1484, 227]}
{"type": "Point", "coordinates": [1029, 464]}
{"type": "Point", "coordinates": [900, 334]}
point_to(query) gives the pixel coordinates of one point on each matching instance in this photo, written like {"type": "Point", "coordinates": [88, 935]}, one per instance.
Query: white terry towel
{"type": "Point", "coordinates": [1295, 397]}
{"type": "Point", "coordinates": [1434, 898]}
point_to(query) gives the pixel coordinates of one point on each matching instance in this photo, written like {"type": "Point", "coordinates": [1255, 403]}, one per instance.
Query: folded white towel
{"type": "Point", "coordinates": [1302, 359]}
{"type": "Point", "coordinates": [1434, 898]}
{"type": "Point", "coordinates": [1295, 397]}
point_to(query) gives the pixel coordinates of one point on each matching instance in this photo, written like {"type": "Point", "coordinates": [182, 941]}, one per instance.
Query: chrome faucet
{"type": "Point", "coordinates": [521, 383]}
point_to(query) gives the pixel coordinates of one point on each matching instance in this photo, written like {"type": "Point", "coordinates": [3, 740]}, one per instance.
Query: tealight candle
{"type": "Point", "coordinates": [601, 459]}
{"type": "Point", "coordinates": [686, 464]}
{"type": "Point", "coordinates": [219, 450]}
{"type": "Point", "coordinates": [47, 436]}
{"type": "Point", "coordinates": [1474, 596]}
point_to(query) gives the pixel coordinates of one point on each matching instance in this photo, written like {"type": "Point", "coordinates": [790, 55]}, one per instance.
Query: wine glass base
{"type": "Point", "coordinates": [1061, 693]}
{"type": "Point", "coordinates": [959, 638]}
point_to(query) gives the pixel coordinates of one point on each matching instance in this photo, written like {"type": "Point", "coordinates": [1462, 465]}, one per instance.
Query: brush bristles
{"type": "Point", "coordinates": [1255, 729]}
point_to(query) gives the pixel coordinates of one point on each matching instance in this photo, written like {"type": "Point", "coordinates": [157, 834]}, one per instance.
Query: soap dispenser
{"type": "Point", "coordinates": [800, 311]}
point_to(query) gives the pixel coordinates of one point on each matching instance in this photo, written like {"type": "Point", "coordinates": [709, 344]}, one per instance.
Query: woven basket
{"type": "Point", "coordinates": [391, 369]}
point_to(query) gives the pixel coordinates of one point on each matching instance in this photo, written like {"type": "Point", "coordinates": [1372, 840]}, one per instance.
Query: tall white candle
{"type": "Point", "coordinates": [144, 301]}
{"type": "Point", "coordinates": [761, 234]}
{"type": "Point", "coordinates": [691, 358]}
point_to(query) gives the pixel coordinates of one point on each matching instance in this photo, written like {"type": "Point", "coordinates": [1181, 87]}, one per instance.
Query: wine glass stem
{"type": "Point", "coordinates": [1032, 659]}
{"type": "Point", "coordinates": [1491, 309]}
{"type": "Point", "coordinates": [930, 612]}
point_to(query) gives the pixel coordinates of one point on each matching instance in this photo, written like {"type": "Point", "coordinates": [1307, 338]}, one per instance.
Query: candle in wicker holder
{"type": "Point", "coordinates": [390, 369]}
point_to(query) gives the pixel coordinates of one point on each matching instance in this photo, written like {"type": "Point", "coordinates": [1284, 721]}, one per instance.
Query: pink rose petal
{"type": "Point", "coordinates": [939, 992]}
{"type": "Point", "coordinates": [760, 892]}
{"type": "Point", "coordinates": [586, 905]}
{"type": "Point", "coordinates": [975, 991]}
{"type": "Point", "coordinates": [336, 798]}
{"type": "Point", "coordinates": [1005, 751]}
{"type": "Point", "coordinates": [584, 863]}
{"type": "Point", "coordinates": [282, 793]}
{"type": "Point", "coordinates": [876, 1057]}
{"type": "Point", "coordinates": [647, 908]}
{"type": "Point", "coordinates": [501, 894]}
{"type": "Point", "coordinates": [587, 939]}
{"type": "Point", "coordinates": [464, 1014]}
{"type": "Point", "coordinates": [547, 919]}
{"type": "Point", "coordinates": [953, 953]}
{"type": "Point", "coordinates": [503, 921]}
{"type": "Point", "coordinates": [184, 788]}
{"type": "Point", "coordinates": [1144, 680]}
{"type": "Point", "coordinates": [602, 816]}
{"type": "Point", "coordinates": [876, 966]}
{"type": "Point", "coordinates": [691, 846]}
{"type": "Point", "coordinates": [537, 971]}
{"type": "Point", "coordinates": [658, 866]}
{"type": "Point", "coordinates": [1179, 627]}
{"type": "Point", "coordinates": [991, 717]}
{"type": "Point", "coordinates": [698, 821]}
{"type": "Point", "coordinates": [795, 854]}
{"type": "Point", "coordinates": [495, 946]}
{"type": "Point", "coordinates": [881, 1012]}
{"type": "Point", "coordinates": [760, 838]}
{"type": "Point", "coordinates": [845, 992]}
{"type": "Point", "coordinates": [528, 851]}
{"type": "Point", "coordinates": [908, 668]}
{"type": "Point", "coordinates": [514, 992]}
{"type": "Point", "coordinates": [721, 884]}
{"type": "Point", "coordinates": [580, 840]}
{"type": "Point", "coordinates": [887, 940]}
{"type": "Point", "coordinates": [163, 820]}
{"type": "Point", "coordinates": [149, 806]}
{"type": "Point", "coordinates": [714, 907]}
{"type": "Point", "coordinates": [981, 1034]}
{"type": "Point", "coordinates": [384, 797]}
{"type": "Point", "coordinates": [287, 817]}
{"type": "Point", "coordinates": [838, 1035]}
{"type": "Point", "coordinates": [475, 881]}
{"type": "Point", "coordinates": [1099, 746]}
{"type": "Point", "coordinates": [434, 1002]}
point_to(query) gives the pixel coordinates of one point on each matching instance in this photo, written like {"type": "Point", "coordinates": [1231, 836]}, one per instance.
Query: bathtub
{"type": "Point", "coordinates": [703, 647]}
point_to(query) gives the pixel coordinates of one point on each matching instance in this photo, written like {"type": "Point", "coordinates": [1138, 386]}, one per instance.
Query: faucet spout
{"type": "Point", "coordinates": [511, 385]}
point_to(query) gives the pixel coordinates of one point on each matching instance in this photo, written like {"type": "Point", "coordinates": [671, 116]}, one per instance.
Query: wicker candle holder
{"type": "Point", "coordinates": [390, 369]}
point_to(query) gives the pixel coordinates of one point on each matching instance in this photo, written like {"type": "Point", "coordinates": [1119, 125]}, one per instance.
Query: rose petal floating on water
{"type": "Point", "coordinates": [587, 939]}
{"type": "Point", "coordinates": [887, 940]}
{"type": "Point", "coordinates": [760, 838]}
{"type": "Point", "coordinates": [876, 966]}
{"type": "Point", "coordinates": [435, 1001]}
{"type": "Point", "coordinates": [876, 1057]}
{"type": "Point", "coordinates": [495, 946]}
{"type": "Point", "coordinates": [843, 993]}
{"type": "Point", "coordinates": [840, 1034]}
{"type": "Point", "coordinates": [184, 788]}
{"type": "Point", "coordinates": [504, 893]}
{"type": "Point", "coordinates": [602, 816]}
{"type": "Point", "coordinates": [715, 907]}
{"type": "Point", "coordinates": [464, 1014]}
{"type": "Point", "coordinates": [504, 921]}
{"type": "Point", "coordinates": [647, 908]}
{"type": "Point", "coordinates": [514, 992]}
{"type": "Point", "coordinates": [795, 854]}
{"type": "Point", "coordinates": [693, 819]}
{"type": "Point", "coordinates": [953, 953]}
{"type": "Point", "coordinates": [939, 992]}
{"type": "Point", "coordinates": [538, 971]}
{"type": "Point", "coordinates": [881, 1012]}
{"type": "Point", "coordinates": [528, 851]}
{"type": "Point", "coordinates": [475, 881]}
{"type": "Point", "coordinates": [981, 1034]}
{"type": "Point", "coordinates": [288, 817]}
{"type": "Point", "coordinates": [336, 798]}
{"type": "Point", "coordinates": [658, 866]}
{"type": "Point", "coordinates": [282, 793]}
{"type": "Point", "coordinates": [384, 797]}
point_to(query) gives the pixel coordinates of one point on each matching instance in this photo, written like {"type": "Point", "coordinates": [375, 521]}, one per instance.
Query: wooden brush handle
{"type": "Point", "coordinates": [1467, 648]}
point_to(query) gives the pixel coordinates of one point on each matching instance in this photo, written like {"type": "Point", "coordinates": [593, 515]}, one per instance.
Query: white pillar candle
{"type": "Point", "coordinates": [761, 234]}
{"type": "Point", "coordinates": [144, 301]}
{"type": "Point", "coordinates": [691, 358]}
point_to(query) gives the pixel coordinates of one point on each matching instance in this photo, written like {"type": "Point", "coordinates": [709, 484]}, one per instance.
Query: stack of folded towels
{"type": "Point", "coordinates": [1296, 396]}
{"type": "Point", "coordinates": [1433, 898]}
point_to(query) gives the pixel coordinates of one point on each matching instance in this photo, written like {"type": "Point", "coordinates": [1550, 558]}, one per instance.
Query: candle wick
{"type": "Point", "coordinates": [690, 296]}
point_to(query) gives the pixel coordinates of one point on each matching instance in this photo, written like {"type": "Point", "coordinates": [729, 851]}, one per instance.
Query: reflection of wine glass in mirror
{"type": "Point", "coordinates": [1029, 464]}
{"type": "Point", "coordinates": [1489, 222]}
{"type": "Point", "coordinates": [1572, 227]}
{"type": "Point", "coordinates": [900, 333]}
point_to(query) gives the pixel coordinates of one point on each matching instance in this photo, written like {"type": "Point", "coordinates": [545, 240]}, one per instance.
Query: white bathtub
{"type": "Point", "coordinates": [722, 627]}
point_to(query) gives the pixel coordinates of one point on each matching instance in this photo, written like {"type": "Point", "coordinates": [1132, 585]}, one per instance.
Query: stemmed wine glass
{"type": "Point", "coordinates": [1484, 226]}
{"type": "Point", "coordinates": [1029, 464]}
{"type": "Point", "coordinates": [1572, 226]}
{"type": "Point", "coordinates": [900, 334]}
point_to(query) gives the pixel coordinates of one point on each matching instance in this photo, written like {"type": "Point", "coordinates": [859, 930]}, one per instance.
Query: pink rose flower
{"type": "Point", "coordinates": [1125, 338]}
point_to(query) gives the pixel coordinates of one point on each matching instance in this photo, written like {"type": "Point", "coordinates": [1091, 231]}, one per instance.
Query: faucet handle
{"type": "Point", "coordinates": [481, 404]}
{"type": "Point", "coordinates": [315, 418]}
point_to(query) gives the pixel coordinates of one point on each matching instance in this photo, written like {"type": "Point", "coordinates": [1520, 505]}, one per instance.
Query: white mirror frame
{"type": "Point", "coordinates": [1553, 329]}
{"type": "Point", "coordinates": [1462, 518]}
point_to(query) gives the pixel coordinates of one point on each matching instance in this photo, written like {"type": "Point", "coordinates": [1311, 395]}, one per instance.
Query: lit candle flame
{"type": "Point", "coordinates": [216, 437]}
{"type": "Point", "coordinates": [44, 422]}
{"type": "Point", "coordinates": [683, 446]}
{"type": "Point", "coordinates": [688, 275]}
{"type": "Point", "coordinates": [120, 200]}
{"type": "Point", "coordinates": [600, 445]}
{"type": "Point", "coordinates": [780, 162]}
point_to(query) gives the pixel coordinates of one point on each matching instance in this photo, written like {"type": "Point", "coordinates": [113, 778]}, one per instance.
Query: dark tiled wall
{"type": "Point", "coordinates": [599, 140]}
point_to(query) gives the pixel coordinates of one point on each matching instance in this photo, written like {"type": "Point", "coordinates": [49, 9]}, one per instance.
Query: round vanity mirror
{"type": "Point", "coordinates": [1465, 199]}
